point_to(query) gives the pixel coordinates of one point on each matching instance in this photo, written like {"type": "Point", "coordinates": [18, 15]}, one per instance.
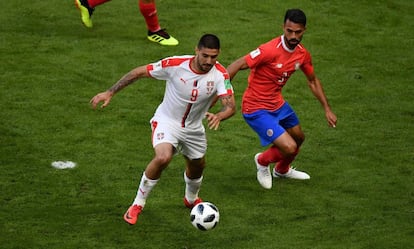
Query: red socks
{"type": "Point", "coordinates": [149, 12]}
{"type": "Point", "coordinates": [94, 3]}
{"type": "Point", "coordinates": [283, 166]}
{"type": "Point", "coordinates": [270, 155]}
{"type": "Point", "coordinates": [273, 155]}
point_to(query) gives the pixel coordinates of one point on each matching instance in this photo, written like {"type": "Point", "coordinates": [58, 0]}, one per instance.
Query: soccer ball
{"type": "Point", "coordinates": [204, 216]}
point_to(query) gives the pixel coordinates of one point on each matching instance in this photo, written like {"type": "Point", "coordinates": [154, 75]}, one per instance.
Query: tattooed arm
{"type": "Point", "coordinates": [127, 79]}
{"type": "Point", "coordinates": [228, 109]}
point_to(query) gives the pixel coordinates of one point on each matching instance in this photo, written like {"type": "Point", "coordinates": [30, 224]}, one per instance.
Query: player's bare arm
{"type": "Point", "coordinates": [126, 80]}
{"type": "Point", "coordinates": [316, 87]}
{"type": "Point", "coordinates": [228, 110]}
{"type": "Point", "coordinates": [228, 107]}
{"type": "Point", "coordinates": [237, 65]}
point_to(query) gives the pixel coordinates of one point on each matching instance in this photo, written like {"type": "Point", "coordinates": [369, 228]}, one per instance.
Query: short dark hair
{"type": "Point", "coordinates": [209, 41]}
{"type": "Point", "coordinates": [296, 16]}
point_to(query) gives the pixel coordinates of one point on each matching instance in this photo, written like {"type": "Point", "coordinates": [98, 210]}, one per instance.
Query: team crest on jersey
{"type": "Point", "coordinates": [297, 65]}
{"type": "Point", "coordinates": [269, 132]}
{"type": "Point", "coordinates": [210, 87]}
{"type": "Point", "coordinates": [160, 136]}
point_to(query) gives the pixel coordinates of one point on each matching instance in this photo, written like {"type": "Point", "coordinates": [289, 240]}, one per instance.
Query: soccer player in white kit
{"type": "Point", "coordinates": [193, 84]}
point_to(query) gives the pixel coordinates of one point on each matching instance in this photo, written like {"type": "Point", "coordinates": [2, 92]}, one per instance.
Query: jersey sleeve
{"type": "Point", "coordinates": [307, 66]}
{"type": "Point", "coordinates": [224, 87]}
{"type": "Point", "coordinates": [260, 55]}
{"type": "Point", "coordinates": [157, 70]}
{"type": "Point", "coordinates": [254, 58]}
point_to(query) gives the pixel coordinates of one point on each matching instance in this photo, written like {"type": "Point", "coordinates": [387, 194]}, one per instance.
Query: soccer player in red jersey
{"type": "Point", "coordinates": [148, 11]}
{"type": "Point", "coordinates": [263, 106]}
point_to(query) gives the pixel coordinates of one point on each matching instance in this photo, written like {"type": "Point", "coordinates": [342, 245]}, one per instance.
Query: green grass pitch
{"type": "Point", "coordinates": [361, 191]}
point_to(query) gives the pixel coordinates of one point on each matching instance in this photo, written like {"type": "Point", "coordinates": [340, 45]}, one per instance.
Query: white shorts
{"type": "Point", "coordinates": [191, 142]}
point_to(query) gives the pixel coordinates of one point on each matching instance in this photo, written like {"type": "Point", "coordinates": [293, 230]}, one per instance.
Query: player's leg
{"type": "Point", "coordinates": [86, 8]}
{"type": "Point", "coordinates": [282, 147]}
{"type": "Point", "coordinates": [194, 150]}
{"type": "Point", "coordinates": [193, 177]}
{"type": "Point", "coordinates": [284, 144]}
{"type": "Point", "coordinates": [164, 142]}
{"type": "Point", "coordinates": [150, 177]}
{"type": "Point", "coordinates": [286, 147]}
{"type": "Point", "coordinates": [283, 167]}
{"type": "Point", "coordinates": [266, 125]}
{"type": "Point", "coordinates": [282, 126]}
{"type": "Point", "coordinates": [94, 3]}
{"type": "Point", "coordinates": [290, 122]}
{"type": "Point", "coordinates": [148, 10]}
{"type": "Point", "coordinates": [163, 156]}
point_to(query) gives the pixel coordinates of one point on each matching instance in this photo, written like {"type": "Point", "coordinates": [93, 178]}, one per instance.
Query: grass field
{"type": "Point", "coordinates": [361, 194]}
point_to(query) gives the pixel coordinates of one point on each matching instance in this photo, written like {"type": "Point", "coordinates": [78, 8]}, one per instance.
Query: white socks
{"type": "Point", "coordinates": [144, 189]}
{"type": "Point", "coordinates": [192, 187]}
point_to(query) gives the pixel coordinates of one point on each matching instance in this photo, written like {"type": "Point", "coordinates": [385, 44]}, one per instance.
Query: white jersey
{"type": "Point", "coordinates": [188, 95]}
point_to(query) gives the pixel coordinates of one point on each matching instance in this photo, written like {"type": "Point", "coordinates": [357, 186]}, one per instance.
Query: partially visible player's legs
{"type": "Point", "coordinates": [287, 137]}
{"type": "Point", "coordinates": [155, 33]}
{"type": "Point", "coordinates": [266, 125]}
{"type": "Point", "coordinates": [151, 176]}
{"type": "Point", "coordinates": [193, 177]}
{"type": "Point", "coordinates": [271, 155]}
{"type": "Point", "coordinates": [282, 152]}
{"type": "Point", "coordinates": [85, 12]}
{"type": "Point", "coordinates": [86, 8]}
{"type": "Point", "coordinates": [283, 168]}
{"type": "Point", "coordinates": [144, 189]}
{"type": "Point", "coordinates": [148, 10]}
{"type": "Point", "coordinates": [298, 136]}
{"type": "Point", "coordinates": [281, 148]}
{"type": "Point", "coordinates": [94, 3]}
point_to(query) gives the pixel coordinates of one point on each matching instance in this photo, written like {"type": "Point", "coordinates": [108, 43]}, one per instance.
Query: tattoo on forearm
{"type": "Point", "coordinates": [123, 82]}
{"type": "Point", "coordinates": [227, 103]}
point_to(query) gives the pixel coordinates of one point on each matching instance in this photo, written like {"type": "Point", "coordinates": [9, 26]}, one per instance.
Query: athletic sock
{"type": "Point", "coordinates": [271, 155]}
{"type": "Point", "coordinates": [192, 187]}
{"type": "Point", "coordinates": [284, 165]}
{"type": "Point", "coordinates": [149, 12]}
{"type": "Point", "coordinates": [94, 3]}
{"type": "Point", "coordinates": [144, 189]}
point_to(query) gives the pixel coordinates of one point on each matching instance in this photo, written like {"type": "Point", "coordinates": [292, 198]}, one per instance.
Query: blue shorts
{"type": "Point", "coordinates": [270, 125]}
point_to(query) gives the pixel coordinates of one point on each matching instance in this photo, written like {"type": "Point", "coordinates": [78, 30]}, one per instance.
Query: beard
{"type": "Point", "coordinates": [204, 67]}
{"type": "Point", "coordinates": [292, 43]}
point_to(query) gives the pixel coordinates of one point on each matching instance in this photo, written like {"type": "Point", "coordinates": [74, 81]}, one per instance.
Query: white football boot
{"type": "Point", "coordinates": [263, 174]}
{"type": "Point", "coordinates": [292, 173]}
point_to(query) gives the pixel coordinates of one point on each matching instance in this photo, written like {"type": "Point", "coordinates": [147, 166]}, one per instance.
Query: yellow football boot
{"type": "Point", "coordinates": [162, 37]}
{"type": "Point", "coordinates": [85, 11]}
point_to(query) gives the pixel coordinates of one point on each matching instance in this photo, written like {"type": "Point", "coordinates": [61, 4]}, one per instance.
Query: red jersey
{"type": "Point", "coordinates": [271, 65]}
